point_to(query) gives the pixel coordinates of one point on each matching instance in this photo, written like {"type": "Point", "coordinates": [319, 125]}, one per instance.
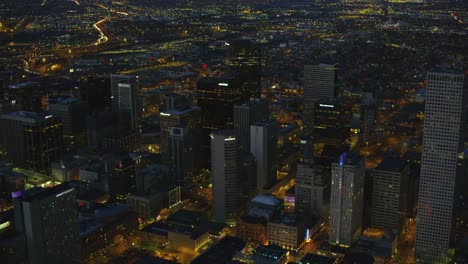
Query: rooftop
{"type": "Point", "coordinates": [28, 117]}
{"type": "Point", "coordinates": [447, 69]}
{"type": "Point", "coordinates": [39, 193]}
{"type": "Point", "coordinates": [179, 111]}
{"type": "Point", "coordinates": [222, 252]}
{"type": "Point", "coordinates": [394, 164]}
{"type": "Point", "coordinates": [267, 199]}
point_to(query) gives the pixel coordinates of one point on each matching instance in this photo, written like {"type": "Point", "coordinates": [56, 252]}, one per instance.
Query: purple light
{"type": "Point", "coordinates": [16, 194]}
{"type": "Point", "coordinates": [289, 199]}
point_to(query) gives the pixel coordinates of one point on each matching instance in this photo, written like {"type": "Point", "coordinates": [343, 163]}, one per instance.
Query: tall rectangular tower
{"type": "Point", "coordinates": [125, 90]}
{"type": "Point", "coordinates": [49, 221]}
{"type": "Point", "coordinates": [188, 117]}
{"type": "Point", "coordinates": [442, 147]}
{"type": "Point", "coordinates": [263, 145]}
{"type": "Point", "coordinates": [181, 153]}
{"type": "Point", "coordinates": [245, 62]}
{"type": "Point", "coordinates": [225, 168]}
{"type": "Point", "coordinates": [347, 198]}
{"type": "Point", "coordinates": [389, 202]}
{"type": "Point", "coordinates": [244, 116]}
{"type": "Point", "coordinates": [32, 140]}
{"type": "Point", "coordinates": [310, 189]}
{"type": "Point", "coordinates": [319, 83]}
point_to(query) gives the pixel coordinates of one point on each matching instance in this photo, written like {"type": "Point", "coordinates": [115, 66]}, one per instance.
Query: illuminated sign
{"type": "Point", "coordinates": [65, 192]}
{"type": "Point", "coordinates": [165, 114]}
{"type": "Point", "coordinates": [223, 84]}
{"type": "Point", "coordinates": [49, 116]}
{"type": "Point", "coordinates": [303, 142]}
{"type": "Point", "coordinates": [230, 139]}
{"type": "Point", "coordinates": [327, 105]}
{"type": "Point", "coordinates": [124, 85]}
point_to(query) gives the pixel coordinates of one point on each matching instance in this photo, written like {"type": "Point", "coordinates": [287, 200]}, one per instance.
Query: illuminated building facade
{"type": "Point", "coordinates": [389, 203]}
{"type": "Point", "coordinates": [244, 58]}
{"type": "Point", "coordinates": [48, 219]}
{"type": "Point", "coordinates": [225, 168]}
{"type": "Point", "coordinates": [442, 146]}
{"type": "Point", "coordinates": [347, 199]}
{"type": "Point", "coordinates": [217, 97]}
{"type": "Point", "coordinates": [289, 232]}
{"type": "Point", "coordinates": [34, 140]}
{"type": "Point", "coordinates": [329, 126]}
{"type": "Point", "coordinates": [187, 117]}
{"type": "Point", "coordinates": [319, 83]}
{"type": "Point", "coordinates": [124, 89]}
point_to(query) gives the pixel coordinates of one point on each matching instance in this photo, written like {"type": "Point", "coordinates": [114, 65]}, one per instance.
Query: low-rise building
{"type": "Point", "coordinates": [183, 239]}
{"type": "Point", "coordinates": [288, 232]}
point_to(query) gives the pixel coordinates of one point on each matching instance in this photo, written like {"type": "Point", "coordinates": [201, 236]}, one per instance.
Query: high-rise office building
{"type": "Point", "coordinates": [124, 89]}
{"type": "Point", "coordinates": [310, 188]}
{"type": "Point", "coordinates": [25, 96]}
{"type": "Point", "coordinates": [49, 221]}
{"type": "Point", "coordinates": [245, 115]}
{"type": "Point", "coordinates": [73, 115]}
{"type": "Point", "coordinates": [368, 119]}
{"type": "Point", "coordinates": [97, 92]}
{"type": "Point", "coordinates": [181, 154]}
{"type": "Point", "coordinates": [225, 168]}
{"type": "Point", "coordinates": [120, 175]}
{"type": "Point", "coordinates": [244, 58]}
{"type": "Point", "coordinates": [347, 198]}
{"type": "Point", "coordinates": [389, 202]}
{"type": "Point", "coordinates": [33, 140]}
{"type": "Point", "coordinates": [329, 125]}
{"type": "Point", "coordinates": [263, 145]}
{"type": "Point", "coordinates": [442, 146]}
{"type": "Point", "coordinates": [217, 97]}
{"type": "Point", "coordinates": [319, 83]}
{"type": "Point", "coordinates": [186, 117]}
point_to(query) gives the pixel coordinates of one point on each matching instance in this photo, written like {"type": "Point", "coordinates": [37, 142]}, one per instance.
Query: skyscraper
{"type": "Point", "coordinates": [49, 221]}
{"type": "Point", "coordinates": [124, 89]}
{"type": "Point", "coordinates": [368, 119]}
{"type": "Point", "coordinates": [187, 117]}
{"type": "Point", "coordinates": [442, 146]}
{"type": "Point", "coordinates": [33, 140]}
{"type": "Point", "coordinates": [319, 83]}
{"type": "Point", "coordinates": [225, 168]}
{"type": "Point", "coordinates": [311, 187]}
{"type": "Point", "coordinates": [245, 60]}
{"type": "Point", "coordinates": [97, 92]}
{"type": "Point", "coordinates": [263, 145]}
{"type": "Point", "coordinates": [217, 97]}
{"type": "Point", "coordinates": [329, 123]}
{"type": "Point", "coordinates": [347, 198]}
{"type": "Point", "coordinates": [73, 115]}
{"type": "Point", "coordinates": [244, 116]}
{"type": "Point", "coordinates": [26, 96]}
{"type": "Point", "coordinates": [389, 202]}
{"type": "Point", "coordinates": [181, 153]}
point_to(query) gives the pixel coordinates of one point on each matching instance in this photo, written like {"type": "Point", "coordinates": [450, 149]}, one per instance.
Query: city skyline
{"type": "Point", "coordinates": [205, 132]}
